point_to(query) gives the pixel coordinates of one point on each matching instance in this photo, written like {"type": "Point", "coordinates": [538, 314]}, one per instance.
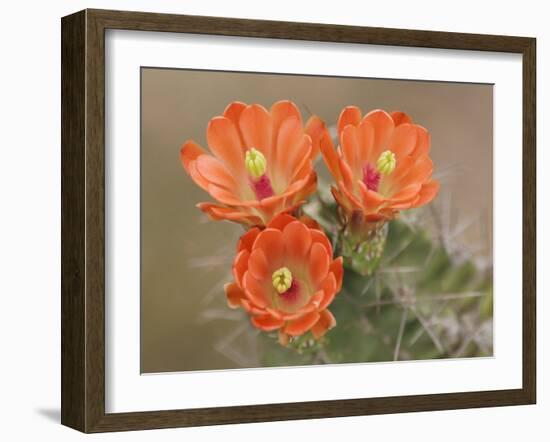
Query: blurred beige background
{"type": "Point", "coordinates": [185, 259]}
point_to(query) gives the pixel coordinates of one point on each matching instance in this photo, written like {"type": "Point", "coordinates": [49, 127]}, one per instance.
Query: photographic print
{"type": "Point", "coordinates": [296, 220]}
{"type": "Point", "coordinates": [253, 203]}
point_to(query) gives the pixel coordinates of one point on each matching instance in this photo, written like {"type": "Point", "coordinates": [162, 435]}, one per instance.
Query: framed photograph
{"type": "Point", "coordinates": [267, 220]}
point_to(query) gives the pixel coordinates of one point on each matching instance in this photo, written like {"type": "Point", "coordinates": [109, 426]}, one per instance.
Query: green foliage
{"type": "Point", "coordinates": [363, 255]}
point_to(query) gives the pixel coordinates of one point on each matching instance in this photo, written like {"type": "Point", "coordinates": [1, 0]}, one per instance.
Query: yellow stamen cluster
{"type": "Point", "coordinates": [386, 162]}
{"type": "Point", "coordinates": [282, 279]}
{"type": "Point", "coordinates": [255, 162]}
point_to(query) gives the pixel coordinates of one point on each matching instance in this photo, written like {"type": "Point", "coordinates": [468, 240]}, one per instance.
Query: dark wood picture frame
{"type": "Point", "coordinates": [83, 218]}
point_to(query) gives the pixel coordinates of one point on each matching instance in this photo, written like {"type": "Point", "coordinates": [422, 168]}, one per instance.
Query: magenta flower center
{"type": "Point", "coordinates": [293, 292]}
{"type": "Point", "coordinates": [262, 187]}
{"type": "Point", "coordinates": [371, 177]}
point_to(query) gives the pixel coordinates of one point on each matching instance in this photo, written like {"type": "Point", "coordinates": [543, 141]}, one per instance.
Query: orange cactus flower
{"type": "Point", "coordinates": [382, 164]}
{"type": "Point", "coordinates": [261, 163]}
{"type": "Point", "coordinates": [286, 278]}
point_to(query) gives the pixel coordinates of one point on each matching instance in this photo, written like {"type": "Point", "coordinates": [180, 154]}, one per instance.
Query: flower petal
{"type": "Point", "coordinates": [316, 129]}
{"type": "Point", "coordinates": [329, 289]}
{"type": "Point", "coordinates": [427, 193]}
{"type": "Point", "coordinates": [250, 308]}
{"type": "Point", "coordinates": [311, 305]}
{"type": "Point", "coordinates": [337, 268]}
{"type": "Point", "coordinates": [234, 295]}
{"type": "Point", "coordinates": [233, 112]}
{"type": "Point", "coordinates": [354, 201]}
{"type": "Point", "coordinates": [423, 142]}
{"type": "Point", "coordinates": [297, 240]}
{"type": "Point", "coordinates": [349, 115]}
{"type": "Point", "coordinates": [315, 301]}
{"type": "Point", "coordinates": [298, 186]}
{"type": "Point", "coordinates": [420, 172]}
{"type": "Point", "coordinates": [274, 205]}
{"type": "Point", "coordinates": [405, 194]}
{"type": "Point", "coordinates": [225, 196]}
{"type": "Point", "coordinates": [267, 322]}
{"type": "Point", "coordinates": [330, 156]}
{"type": "Point", "coordinates": [340, 198]}
{"type": "Point", "coordinates": [271, 242]}
{"type": "Point", "coordinates": [196, 176]}
{"type": "Point", "coordinates": [280, 221]}
{"type": "Point", "coordinates": [240, 265]}
{"type": "Point", "coordinates": [318, 236]}
{"type": "Point", "coordinates": [365, 137]}
{"type": "Point", "coordinates": [383, 129]}
{"type": "Point", "coordinates": [300, 164]}
{"type": "Point", "coordinates": [371, 199]}
{"type": "Point", "coordinates": [325, 322]}
{"type": "Point", "coordinates": [402, 168]}
{"type": "Point", "coordinates": [349, 144]}
{"type": "Point", "coordinates": [224, 141]}
{"type": "Point", "coordinates": [258, 265]}
{"type": "Point", "coordinates": [255, 126]}
{"type": "Point", "coordinates": [290, 146]}
{"type": "Point", "coordinates": [347, 174]}
{"type": "Point", "coordinates": [319, 262]}
{"type": "Point", "coordinates": [400, 118]}
{"type": "Point", "coordinates": [190, 151]}
{"type": "Point", "coordinates": [307, 187]}
{"type": "Point", "coordinates": [189, 154]}
{"type": "Point", "coordinates": [403, 141]}
{"type": "Point", "coordinates": [275, 313]}
{"type": "Point", "coordinates": [245, 241]}
{"type": "Point", "coordinates": [217, 213]}
{"type": "Point", "coordinates": [310, 222]}
{"type": "Point", "coordinates": [280, 111]}
{"type": "Point", "coordinates": [254, 290]}
{"type": "Point", "coordinates": [215, 172]}
{"type": "Point", "coordinates": [302, 324]}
